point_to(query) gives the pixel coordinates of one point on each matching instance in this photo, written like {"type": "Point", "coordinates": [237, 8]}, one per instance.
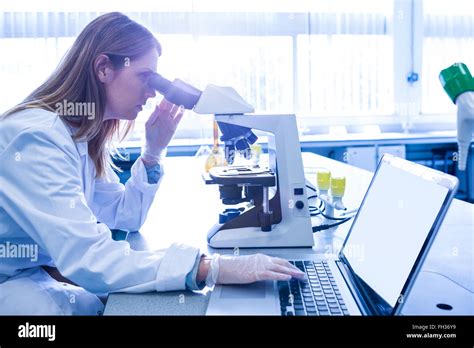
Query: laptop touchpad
{"type": "Point", "coordinates": [255, 290]}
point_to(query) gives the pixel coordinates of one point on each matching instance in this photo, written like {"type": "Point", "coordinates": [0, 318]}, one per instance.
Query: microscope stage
{"type": "Point", "coordinates": [244, 175]}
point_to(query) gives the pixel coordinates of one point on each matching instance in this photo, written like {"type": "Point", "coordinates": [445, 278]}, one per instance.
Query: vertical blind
{"type": "Point", "coordinates": [315, 58]}
{"type": "Point", "coordinates": [448, 38]}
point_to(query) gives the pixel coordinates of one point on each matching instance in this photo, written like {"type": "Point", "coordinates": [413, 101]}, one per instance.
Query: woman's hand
{"type": "Point", "coordinates": [252, 268]}
{"type": "Point", "coordinates": [160, 128]}
{"type": "Point", "coordinates": [249, 269]}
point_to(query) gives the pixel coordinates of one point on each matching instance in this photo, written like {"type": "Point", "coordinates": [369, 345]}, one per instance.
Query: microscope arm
{"type": "Point", "coordinates": [459, 85]}
{"type": "Point", "coordinates": [465, 116]}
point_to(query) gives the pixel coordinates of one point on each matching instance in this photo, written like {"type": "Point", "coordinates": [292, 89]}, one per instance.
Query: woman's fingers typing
{"type": "Point", "coordinates": [287, 270]}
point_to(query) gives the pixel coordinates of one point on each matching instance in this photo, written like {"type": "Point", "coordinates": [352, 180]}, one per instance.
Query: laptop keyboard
{"type": "Point", "coordinates": [317, 294]}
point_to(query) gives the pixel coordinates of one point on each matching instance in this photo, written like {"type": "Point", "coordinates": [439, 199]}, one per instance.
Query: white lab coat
{"type": "Point", "coordinates": [51, 200]}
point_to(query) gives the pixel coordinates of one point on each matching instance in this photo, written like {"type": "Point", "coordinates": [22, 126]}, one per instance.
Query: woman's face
{"type": "Point", "coordinates": [126, 88]}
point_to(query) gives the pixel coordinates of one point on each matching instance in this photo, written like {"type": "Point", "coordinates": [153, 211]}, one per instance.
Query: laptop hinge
{"type": "Point", "coordinates": [354, 288]}
{"type": "Point", "coordinates": [371, 302]}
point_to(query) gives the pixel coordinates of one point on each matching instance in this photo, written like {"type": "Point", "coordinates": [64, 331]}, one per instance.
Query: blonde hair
{"type": "Point", "coordinates": [75, 80]}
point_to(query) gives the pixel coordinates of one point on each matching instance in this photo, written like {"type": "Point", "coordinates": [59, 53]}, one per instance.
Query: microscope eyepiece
{"type": "Point", "coordinates": [159, 83]}
{"type": "Point", "coordinates": [177, 92]}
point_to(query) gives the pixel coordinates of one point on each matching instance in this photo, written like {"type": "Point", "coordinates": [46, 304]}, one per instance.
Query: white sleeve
{"type": "Point", "coordinates": [41, 190]}
{"type": "Point", "coordinates": [126, 206]}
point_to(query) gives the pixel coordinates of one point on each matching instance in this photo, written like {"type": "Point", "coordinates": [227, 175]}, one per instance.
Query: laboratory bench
{"type": "Point", "coordinates": [179, 215]}
{"type": "Point", "coordinates": [434, 149]}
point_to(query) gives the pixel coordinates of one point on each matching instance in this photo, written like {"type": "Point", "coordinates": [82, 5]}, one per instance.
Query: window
{"type": "Point", "coordinates": [448, 38]}
{"type": "Point", "coordinates": [25, 63]}
{"type": "Point", "coordinates": [259, 68]}
{"type": "Point", "coordinates": [345, 75]}
{"type": "Point", "coordinates": [329, 61]}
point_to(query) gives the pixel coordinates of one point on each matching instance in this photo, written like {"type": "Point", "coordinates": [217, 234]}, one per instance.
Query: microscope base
{"type": "Point", "coordinates": [280, 236]}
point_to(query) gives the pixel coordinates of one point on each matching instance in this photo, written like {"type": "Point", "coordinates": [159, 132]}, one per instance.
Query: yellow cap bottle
{"type": "Point", "coordinates": [338, 186]}
{"type": "Point", "coordinates": [323, 178]}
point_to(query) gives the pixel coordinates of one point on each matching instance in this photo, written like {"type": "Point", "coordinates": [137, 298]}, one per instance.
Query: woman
{"type": "Point", "coordinates": [60, 196]}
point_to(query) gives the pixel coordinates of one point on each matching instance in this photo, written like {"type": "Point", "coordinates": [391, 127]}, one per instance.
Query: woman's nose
{"type": "Point", "coordinates": [150, 93]}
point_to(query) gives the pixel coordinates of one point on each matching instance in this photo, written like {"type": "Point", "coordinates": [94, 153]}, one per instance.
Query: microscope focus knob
{"type": "Point", "coordinates": [299, 205]}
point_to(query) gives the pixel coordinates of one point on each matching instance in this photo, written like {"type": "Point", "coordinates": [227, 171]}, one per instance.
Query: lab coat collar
{"type": "Point", "coordinates": [82, 147]}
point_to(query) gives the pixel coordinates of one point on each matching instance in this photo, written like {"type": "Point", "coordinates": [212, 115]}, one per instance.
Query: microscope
{"type": "Point", "coordinates": [268, 206]}
{"type": "Point", "coordinates": [459, 85]}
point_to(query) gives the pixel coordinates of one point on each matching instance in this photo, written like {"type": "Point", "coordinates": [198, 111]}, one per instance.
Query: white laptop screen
{"type": "Point", "coordinates": [391, 227]}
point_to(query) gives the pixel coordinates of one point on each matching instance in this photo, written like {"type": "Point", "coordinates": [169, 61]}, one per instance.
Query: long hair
{"type": "Point", "coordinates": [76, 81]}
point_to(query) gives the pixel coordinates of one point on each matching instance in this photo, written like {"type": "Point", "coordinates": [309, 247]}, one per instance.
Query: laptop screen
{"type": "Point", "coordinates": [393, 222]}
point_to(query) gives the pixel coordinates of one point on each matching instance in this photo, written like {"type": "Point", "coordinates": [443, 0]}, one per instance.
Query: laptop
{"type": "Point", "coordinates": [392, 232]}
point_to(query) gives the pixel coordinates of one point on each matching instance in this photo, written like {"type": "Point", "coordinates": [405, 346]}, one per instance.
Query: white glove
{"type": "Point", "coordinates": [150, 154]}
{"type": "Point", "coordinates": [160, 128]}
{"type": "Point", "coordinates": [249, 269]}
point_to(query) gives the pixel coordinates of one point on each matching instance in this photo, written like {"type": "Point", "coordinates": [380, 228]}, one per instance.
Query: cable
{"type": "Point", "coordinates": [312, 212]}
{"type": "Point", "coordinates": [330, 217]}
{"type": "Point", "coordinates": [326, 227]}
{"type": "Point", "coordinates": [321, 209]}
{"type": "Point", "coordinates": [313, 208]}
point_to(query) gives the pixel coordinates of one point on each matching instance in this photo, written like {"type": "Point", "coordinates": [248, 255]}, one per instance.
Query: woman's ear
{"type": "Point", "coordinates": [103, 68]}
